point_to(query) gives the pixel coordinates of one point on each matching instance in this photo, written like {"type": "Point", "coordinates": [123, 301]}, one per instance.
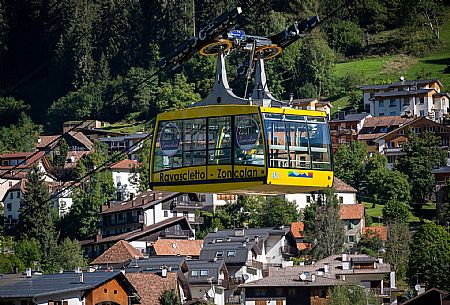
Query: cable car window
{"type": "Point", "coordinates": [249, 148]}
{"type": "Point", "coordinates": [194, 145]}
{"type": "Point", "coordinates": [168, 152]}
{"type": "Point", "coordinates": [219, 140]}
{"type": "Point", "coordinates": [320, 145]}
{"type": "Point", "coordinates": [273, 116]}
{"type": "Point", "coordinates": [297, 118]}
{"type": "Point", "coordinates": [276, 140]}
{"type": "Point", "coordinates": [299, 156]}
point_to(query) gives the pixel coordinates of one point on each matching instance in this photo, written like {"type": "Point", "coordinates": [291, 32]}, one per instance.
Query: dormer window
{"type": "Point", "coordinates": [219, 254]}
{"type": "Point", "coordinates": [231, 253]}
{"type": "Point", "coordinates": [203, 272]}
{"type": "Point", "coordinates": [194, 272]}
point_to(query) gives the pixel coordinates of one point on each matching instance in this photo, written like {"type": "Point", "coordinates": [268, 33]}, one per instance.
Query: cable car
{"type": "Point", "coordinates": [229, 144]}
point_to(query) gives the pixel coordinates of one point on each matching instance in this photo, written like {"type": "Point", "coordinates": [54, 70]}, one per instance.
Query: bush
{"type": "Point", "coordinates": [395, 211]}
{"type": "Point", "coordinates": [345, 37]}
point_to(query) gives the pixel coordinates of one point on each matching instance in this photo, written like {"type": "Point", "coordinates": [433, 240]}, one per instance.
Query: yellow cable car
{"type": "Point", "coordinates": [253, 145]}
{"type": "Point", "coordinates": [241, 149]}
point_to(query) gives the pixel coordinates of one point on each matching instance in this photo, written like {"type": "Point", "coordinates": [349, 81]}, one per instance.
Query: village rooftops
{"type": "Point", "coordinates": [292, 280]}
{"type": "Point", "coordinates": [351, 211]}
{"type": "Point", "coordinates": [184, 247]}
{"type": "Point", "coordinates": [120, 253]}
{"type": "Point", "coordinates": [56, 284]}
{"type": "Point", "coordinates": [201, 271]}
{"type": "Point", "coordinates": [342, 187]}
{"type": "Point", "coordinates": [233, 253]}
{"type": "Point", "coordinates": [143, 200]}
{"type": "Point", "coordinates": [385, 121]}
{"type": "Point", "coordinates": [150, 286]}
{"type": "Point", "coordinates": [380, 231]}
{"type": "Point", "coordinates": [19, 160]}
{"type": "Point", "coordinates": [125, 164]}
{"type": "Point", "coordinates": [403, 83]}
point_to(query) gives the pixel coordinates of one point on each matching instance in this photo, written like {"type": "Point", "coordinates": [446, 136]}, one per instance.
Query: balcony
{"type": "Point", "coordinates": [393, 150]}
{"type": "Point", "coordinates": [255, 264]}
{"type": "Point", "coordinates": [186, 205]}
{"type": "Point", "coordinates": [380, 292]}
{"type": "Point", "coordinates": [196, 220]}
{"type": "Point", "coordinates": [234, 299]}
{"type": "Point", "coordinates": [176, 234]}
{"type": "Point", "coordinates": [122, 221]}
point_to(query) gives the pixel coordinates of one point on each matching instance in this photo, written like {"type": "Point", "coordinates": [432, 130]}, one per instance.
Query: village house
{"type": "Point", "coordinates": [415, 98]}
{"type": "Point", "coordinates": [344, 129]}
{"type": "Point", "coordinates": [20, 163]}
{"type": "Point", "coordinates": [247, 253]}
{"type": "Point", "coordinates": [125, 176]}
{"type": "Point", "coordinates": [69, 288]}
{"type": "Point", "coordinates": [390, 144]}
{"type": "Point", "coordinates": [352, 215]}
{"type": "Point", "coordinates": [126, 142]}
{"type": "Point", "coordinates": [118, 256]}
{"type": "Point", "coordinates": [148, 208]}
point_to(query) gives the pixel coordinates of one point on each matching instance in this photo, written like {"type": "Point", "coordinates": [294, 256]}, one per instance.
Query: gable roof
{"type": "Point", "coordinates": [143, 200]}
{"type": "Point", "coordinates": [290, 279]}
{"type": "Point", "coordinates": [120, 253]}
{"type": "Point", "coordinates": [380, 231]}
{"type": "Point", "coordinates": [380, 95]}
{"type": "Point", "coordinates": [351, 211]}
{"type": "Point", "coordinates": [385, 121]}
{"type": "Point", "coordinates": [150, 286]}
{"type": "Point", "coordinates": [33, 157]}
{"type": "Point", "coordinates": [431, 296]}
{"type": "Point", "coordinates": [126, 164]}
{"type": "Point", "coordinates": [403, 83]}
{"type": "Point", "coordinates": [52, 284]}
{"type": "Point", "coordinates": [80, 137]}
{"type": "Point", "coordinates": [213, 268]}
{"type": "Point", "coordinates": [155, 264]}
{"type": "Point", "coordinates": [342, 187]}
{"type": "Point", "coordinates": [183, 247]}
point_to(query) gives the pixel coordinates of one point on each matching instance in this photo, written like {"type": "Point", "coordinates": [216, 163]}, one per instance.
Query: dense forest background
{"type": "Point", "coordinates": [64, 59]}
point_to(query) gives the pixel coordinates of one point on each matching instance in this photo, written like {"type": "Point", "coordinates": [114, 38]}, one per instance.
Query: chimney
{"type": "Point", "coordinates": [313, 277]}
{"type": "Point", "coordinates": [81, 277]}
{"type": "Point", "coordinates": [132, 202]}
{"type": "Point", "coordinates": [28, 272]}
{"type": "Point", "coordinates": [164, 272]}
{"type": "Point", "coordinates": [326, 267]}
{"type": "Point", "coordinates": [256, 238]}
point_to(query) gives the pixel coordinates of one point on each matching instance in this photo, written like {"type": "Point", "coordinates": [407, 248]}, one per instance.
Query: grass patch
{"type": "Point", "coordinates": [368, 69]}
{"type": "Point", "coordinates": [377, 213]}
{"type": "Point", "coordinates": [128, 127]}
{"type": "Point", "coordinates": [399, 64]}
{"type": "Point", "coordinates": [340, 104]}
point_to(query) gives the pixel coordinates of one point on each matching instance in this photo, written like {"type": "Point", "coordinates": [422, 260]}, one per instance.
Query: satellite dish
{"type": "Point", "coordinates": [210, 293]}
{"type": "Point", "coordinates": [417, 287]}
{"type": "Point", "coordinates": [245, 276]}
{"type": "Point", "coordinates": [302, 276]}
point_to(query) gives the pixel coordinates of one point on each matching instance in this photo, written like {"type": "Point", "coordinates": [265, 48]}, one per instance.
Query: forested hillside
{"type": "Point", "coordinates": [63, 59]}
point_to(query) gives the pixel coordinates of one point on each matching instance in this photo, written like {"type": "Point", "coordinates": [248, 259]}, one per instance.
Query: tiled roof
{"type": "Point", "coordinates": [44, 141]}
{"type": "Point", "coordinates": [80, 137]}
{"type": "Point", "coordinates": [385, 121]}
{"type": "Point", "coordinates": [351, 211]}
{"type": "Point", "coordinates": [120, 253]}
{"type": "Point", "coordinates": [74, 155]}
{"type": "Point", "coordinates": [369, 136]}
{"type": "Point", "coordinates": [143, 200]}
{"type": "Point", "coordinates": [19, 186]}
{"type": "Point", "coordinates": [402, 83]}
{"type": "Point", "coordinates": [381, 231]}
{"type": "Point", "coordinates": [297, 229]}
{"type": "Point", "coordinates": [33, 157]}
{"type": "Point", "coordinates": [401, 93]}
{"type": "Point", "coordinates": [303, 246]}
{"type": "Point", "coordinates": [126, 164]}
{"type": "Point", "coordinates": [292, 280]}
{"type": "Point", "coordinates": [342, 187]}
{"type": "Point", "coordinates": [178, 247]}
{"type": "Point", "coordinates": [150, 286]}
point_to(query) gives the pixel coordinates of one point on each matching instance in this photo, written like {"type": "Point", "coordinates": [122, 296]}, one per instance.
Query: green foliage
{"type": "Point", "coordinates": [61, 154]}
{"type": "Point", "coordinates": [397, 248]}
{"type": "Point", "coordinates": [349, 163]}
{"type": "Point", "coordinates": [175, 94]}
{"type": "Point", "coordinates": [29, 252]}
{"type": "Point", "coordinates": [370, 243]}
{"type": "Point", "coordinates": [70, 255]}
{"type": "Point", "coordinates": [422, 154]}
{"type": "Point", "coordinates": [277, 211]}
{"type": "Point", "coordinates": [169, 297]}
{"type": "Point", "coordinates": [314, 67]}
{"type": "Point", "coordinates": [245, 211]}
{"type": "Point", "coordinates": [430, 257]}
{"type": "Point", "coordinates": [324, 229]}
{"type": "Point", "coordinates": [395, 211]}
{"type": "Point", "coordinates": [9, 263]}
{"type": "Point", "coordinates": [345, 37]}
{"type": "Point", "coordinates": [351, 294]}
{"type": "Point", "coordinates": [144, 168]}
{"type": "Point", "coordinates": [10, 109]}
{"type": "Point", "coordinates": [20, 137]}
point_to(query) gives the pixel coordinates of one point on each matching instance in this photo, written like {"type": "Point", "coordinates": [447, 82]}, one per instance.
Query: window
{"type": "Point", "coordinates": [175, 214]}
{"type": "Point", "coordinates": [392, 113]}
{"type": "Point", "coordinates": [421, 100]}
{"type": "Point", "coordinates": [401, 132]}
{"type": "Point", "coordinates": [417, 130]}
{"type": "Point", "coordinates": [392, 103]}
{"type": "Point", "coordinates": [322, 294]}
{"type": "Point", "coordinates": [10, 183]}
{"type": "Point", "coordinates": [260, 292]}
{"type": "Point", "coordinates": [231, 253]}
{"type": "Point", "coordinates": [381, 114]}
{"type": "Point", "coordinates": [194, 273]}
{"type": "Point", "coordinates": [430, 128]}
{"type": "Point", "coordinates": [308, 199]}
{"type": "Point", "coordinates": [341, 199]}
{"type": "Point", "coordinates": [11, 195]}
{"type": "Point", "coordinates": [203, 272]}
{"type": "Point", "coordinates": [219, 254]}
{"type": "Point", "coordinates": [405, 102]}
{"type": "Point", "coordinates": [166, 214]}
{"type": "Point", "coordinates": [8, 206]}
{"type": "Point", "coordinates": [185, 213]}
{"type": "Point", "coordinates": [18, 194]}
{"type": "Point", "coordinates": [381, 104]}
{"type": "Point", "coordinates": [422, 112]}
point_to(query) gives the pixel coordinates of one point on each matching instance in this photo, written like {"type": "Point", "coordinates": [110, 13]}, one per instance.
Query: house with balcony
{"type": "Point", "coordinates": [125, 174]}
{"type": "Point", "coordinates": [247, 253]}
{"type": "Point", "coordinates": [352, 215]}
{"type": "Point", "coordinates": [390, 144]}
{"type": "Point", "coordinates": [146, 209]}
{"type": "Point", "coordinates": [141, 238]}
{"type": "Point", "coordinates": [125, 142]}
{"type": "Point", "coordinates": [359, 269]}
{"type": "Point", "coordinates": [415, 98]}
{"type": "Point", "coordinates": [375, 127]}
{"type": "Point", "coordinates": [344, 129]}
{"type": "Point", "coordinates": [19, 164]}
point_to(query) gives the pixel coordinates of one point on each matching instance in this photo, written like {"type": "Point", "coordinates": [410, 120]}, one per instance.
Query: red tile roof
{"type": "Point", "coordinates": [182, 247]}
{"type": "Point", "coordinates": [150, 286]}
{"type": "Point", "coordinates": [342, 187]}
{"type": "Point", "coordinates": [351, 211]}
{"type": "Point", "coordinates": [125, 164]}
{"type": "Point", "coordinates": [44, 141]}
{"type": "Point", "coordinates": [297, 229]}
{"type": "Point", "coordinates": [381, 231]}
{"type": "Point", "coordinates": [74, 156]}
{"type": "Point", "coordinates": [33, 157]}
{"type": "Point", "coordinates": [120, 253]}
{"type": "Point", "coordinates": [385, 121]}
{"type": "Point", "coordinates": [370, 136]}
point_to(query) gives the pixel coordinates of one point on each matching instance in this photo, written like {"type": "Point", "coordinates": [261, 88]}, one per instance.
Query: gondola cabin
{"type": "Point", "coordinates": [241, 149]}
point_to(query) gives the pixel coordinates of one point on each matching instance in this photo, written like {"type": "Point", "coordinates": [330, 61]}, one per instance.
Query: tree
{"type": "Point", "coordinates": [70, 255]}
{"type": "Point", "coordinates": [324, 229]}
{"type": "Point", "coordinates": [429, 261]}
{"type": "Point", "coordinates": [29, 252]}
{"type": "Point", "coordinates": [20, 137]}
{"type": "Point", "coordinates": [61, 154]}
{"type": "Point", "coordinates": [395, 211]}
{"type": "Point", "coordinates": [277, 211]}
{"type": "Point", "coordinates": [10, 109]}
{"type": "Point", "coordinates": [397, 247]}
{"type": "Point", "coordinates": [82, 220]}
{"type": "Point", "coordinates": [349, 163]}
{"type": "Point", "coordinates": [169, 297]}
{"type": "Point", "coordinates": [422, 153]}
{"type": "Point", "coordinates": [351, 294]}
{"type": "Point", "coordinates": [315, 66]}
{"type": "Point", "coordinates": [345, 37]}
{"type": "Point", "coordinates": [370, 243]}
